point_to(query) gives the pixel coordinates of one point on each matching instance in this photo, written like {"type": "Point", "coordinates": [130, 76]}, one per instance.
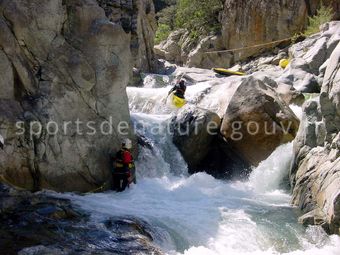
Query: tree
{"type": "Point", "coordinates": [323, 15]}
{"type": "Point", "coordinates": [200, 17]}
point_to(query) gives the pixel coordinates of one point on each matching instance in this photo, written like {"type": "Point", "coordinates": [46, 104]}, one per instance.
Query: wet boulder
{"type": "Point", "coordinates": [43, 250]}
{"type": "Point", "coordinates": [194, 130]}
{"type": "Point", "coordinates": [257, 120]}
{"type": "Point", "coordinates": [40, 224]}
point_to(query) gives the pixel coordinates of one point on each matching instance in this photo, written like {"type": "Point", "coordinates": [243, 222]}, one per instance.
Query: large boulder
{"type": "Point", "coordinates": [286, 91]}
{"type": "Point", "coordinates": [170, 49]}
{"type": "Point", "coordinates": [61, 62]}
{"type": "Point", "coordinates": [43, 224]}
{"type": "Point", "coordinates": [196, 135]}
{"type": "Point", "coordinates": [299, 76]}
{"type": "Point", "coordinates": [315, 172]}
{"type": "Point", "coordinates": [330, 94]}
{"type": "Point", "coordinates": [200, 56]}
{"type": "Point", "coordinates": [194, 129]}
{"type": "Point", "coordinates": [257, 121]}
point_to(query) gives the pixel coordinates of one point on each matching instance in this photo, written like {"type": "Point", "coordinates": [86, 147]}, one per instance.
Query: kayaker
{"type": "Point", "coordinates": [179, 89]}
{"type": "Point", "coordinates": [124, 167]}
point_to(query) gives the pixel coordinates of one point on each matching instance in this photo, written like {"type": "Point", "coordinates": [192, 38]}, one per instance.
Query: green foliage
{"type": "Point", "coordinates": [162, 33]}
{"type": "Point", "coordinates": [167, 16]}
{"type": "Point", "coordinates": [200, 17]}
{"type": "Point", "coordinates": [324, 14]}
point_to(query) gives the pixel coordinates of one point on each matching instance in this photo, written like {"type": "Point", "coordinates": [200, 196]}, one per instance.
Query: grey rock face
{"type": "Point", "coordinates": [307, 68]}
{"type": "Point", "coordinates": [241, 27]}
{"type": "Point", "coordinates": [330, 94]}
{"type": "Point", "coordinates": [257, 120]}
{"type": "Point", "coordinates": [194, 131]}
{"type": "Point", "coordinates": [315, 172]}
{"type": "Point", "coordinates": [170, 49]}
{"type": "Point", "coordinates": [138, 18]}
{"type": "Point", "coordinates": [63, 61]}
{"type": "Point", "coordinates": [274, 20]}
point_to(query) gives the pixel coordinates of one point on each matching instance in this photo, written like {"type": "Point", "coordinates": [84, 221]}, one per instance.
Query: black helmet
{"type": "Point", "coordinates": [181, 82]}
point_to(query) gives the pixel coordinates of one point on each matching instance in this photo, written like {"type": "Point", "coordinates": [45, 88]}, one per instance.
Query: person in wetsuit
{"type": "Point", "coordinates": [179, 89]}
{"type": "Point", "coordinates": [124, 167]}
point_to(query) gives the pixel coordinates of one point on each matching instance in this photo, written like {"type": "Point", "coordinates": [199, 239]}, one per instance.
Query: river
{"type": "Point", "coordinates": [199, 214]}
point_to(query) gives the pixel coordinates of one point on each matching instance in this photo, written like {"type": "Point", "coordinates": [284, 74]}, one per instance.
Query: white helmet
{"type": "Point", "coordinates": [127, 143]}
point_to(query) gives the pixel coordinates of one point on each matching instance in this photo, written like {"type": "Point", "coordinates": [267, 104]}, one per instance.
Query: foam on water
{"type": "Point", "coordinates": [269, 174]}
{"type": "Point", "coordinates": [152, 99]}
{"type": "Point", "coordinates": [199, 214]}
{"type": "Point", "coordinates": [297, 110]}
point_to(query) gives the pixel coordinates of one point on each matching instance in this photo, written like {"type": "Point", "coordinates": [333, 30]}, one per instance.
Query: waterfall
{"type": "Point", "coordinates": [199, 214]}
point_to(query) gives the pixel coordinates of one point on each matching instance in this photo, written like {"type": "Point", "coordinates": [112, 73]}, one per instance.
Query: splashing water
{"type": "Point", "coordinates": [199, 214]}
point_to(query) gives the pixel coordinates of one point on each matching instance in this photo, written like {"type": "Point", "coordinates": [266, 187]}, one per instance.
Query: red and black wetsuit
{"type": "Point", "coordinates": [122, 170]}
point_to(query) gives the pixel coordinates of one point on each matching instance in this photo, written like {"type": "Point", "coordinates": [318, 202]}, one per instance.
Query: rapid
{"type": "Point", "coordinates": [199, 214]}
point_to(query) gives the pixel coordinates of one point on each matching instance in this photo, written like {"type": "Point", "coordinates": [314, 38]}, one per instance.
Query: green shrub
{"type": "Point", "coordinates": [324, 14]}
{"type": "Point", "coordinates": [167, 16]}
{"type": "Point", "coordinates": [162, 33]}
{"type": "Point", "coordinates": [200, 17]}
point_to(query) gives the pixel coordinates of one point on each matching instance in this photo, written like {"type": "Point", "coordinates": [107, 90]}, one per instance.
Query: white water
{"type": "Point", "coordinates": [199, 214]}
{"type": "Point", "coordinates": [202, 215]}
{"type": "Point", "coordinates": [203, 90]}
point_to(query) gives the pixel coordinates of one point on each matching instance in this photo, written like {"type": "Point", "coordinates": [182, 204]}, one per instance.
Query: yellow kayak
{"type": "Point", "coordinates": [226, 72]}
{"type": "Point", "coordinates": [177, 101]}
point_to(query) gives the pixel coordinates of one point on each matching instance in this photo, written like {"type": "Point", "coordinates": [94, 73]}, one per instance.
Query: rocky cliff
{"type": "Point", "coordinates": [244, 23]}
{"type": "Point", "coordinates": [315, 172]}
{"type": "Point", "coordinates": [64, 67]}
{"type": "Point", "coordinates": [138, 18]}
